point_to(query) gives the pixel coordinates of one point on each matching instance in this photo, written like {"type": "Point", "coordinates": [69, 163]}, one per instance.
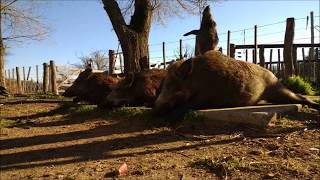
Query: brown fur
{"type": "Point", "coordinates": [138, 89]}
{"type": "Point", "coordinates": [92, 86]}
{"type": "Point", "coordinates": [215, 80]}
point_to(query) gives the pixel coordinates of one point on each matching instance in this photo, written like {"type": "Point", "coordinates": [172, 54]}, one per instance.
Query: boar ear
{"type": "Point", "coordinates": [185, 69]}
{"type": "Point", "coordinates": [194, 32]}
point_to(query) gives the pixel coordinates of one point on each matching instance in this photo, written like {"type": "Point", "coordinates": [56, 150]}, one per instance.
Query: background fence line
{"type": "Point", "coordinates": [262, 49]}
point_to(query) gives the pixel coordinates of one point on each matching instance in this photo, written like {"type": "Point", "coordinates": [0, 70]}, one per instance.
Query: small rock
{"type": "Point", "coordinates": [269, 176]}
{"type": "Point", "coordinates": [46, 175]}
{"type": "Point", "coordinates": [272, 147]}
{"type": "Point", "coordinates": [314, 149]}
{"type": "Point", "coordinates": [255, 152]}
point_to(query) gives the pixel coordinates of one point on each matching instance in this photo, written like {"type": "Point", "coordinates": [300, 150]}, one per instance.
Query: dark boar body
{"type": "Point", "coordinates": [91, 86]}
{"type": "Point", "coordinates": [138, 89]}
{"type": "Point", "coordinates": [214, 80]}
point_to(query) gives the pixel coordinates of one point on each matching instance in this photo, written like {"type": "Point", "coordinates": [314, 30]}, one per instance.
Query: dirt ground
{"type": "Point", "coordinates": [45, 141]}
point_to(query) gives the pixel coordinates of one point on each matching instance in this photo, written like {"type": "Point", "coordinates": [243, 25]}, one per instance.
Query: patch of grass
{"type": "Point", "coordinates": [299, 85]}
{"type": "Point", "coordinates": [6, 123]}
{"type": "Point", "coordinates": [71, 108]}
{"type": "Point", "coordinates": [193, 116]}
{"type": "Point", "coordinates": [295, 167]}
{"type": "Point", "coordinates": [131, 112]}
{"type": "Point", "coordinates": [284, 122]}
{"type": "Point", "coordinates": [46, 96]}
{"type": "Point", "coordinates": [220, 166]}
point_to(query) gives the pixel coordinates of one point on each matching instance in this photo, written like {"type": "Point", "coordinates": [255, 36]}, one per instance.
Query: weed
{"type": "Point", "coordinates": [131, 112]}
{"type": "Point", "coordinates": [193, 116]}
{"type": "Point", "coordinates": [221, 166]}
{"type": "Point", "coordinates": [284, 122]}
{"type": "Point", "coordinates": [6, 123]}
{"type": "Point", "coordinates": [295, 166]}
{"type": "Point", "coordinates": [298, 85]}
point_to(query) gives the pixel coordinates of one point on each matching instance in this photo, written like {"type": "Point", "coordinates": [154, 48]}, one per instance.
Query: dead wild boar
{"type": "Point", "coordinates": [91, 86]}
{"type": "Point", "coordinates": [138, 89]}
{"type": "Point", "coordinates": [214, 80]}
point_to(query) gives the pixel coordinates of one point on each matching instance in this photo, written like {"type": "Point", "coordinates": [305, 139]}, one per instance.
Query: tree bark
{"type": "Point", "coordinates": [133, 37]}
{"type": "Point", "coordinates": [2, 75]}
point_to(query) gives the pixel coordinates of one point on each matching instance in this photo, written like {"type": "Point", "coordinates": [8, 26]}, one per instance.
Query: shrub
{"type": "Point", "coordinates": [298, 85]}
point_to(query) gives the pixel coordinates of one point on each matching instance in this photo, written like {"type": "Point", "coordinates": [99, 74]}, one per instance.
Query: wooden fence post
{"type": "Point", "coordinates": [261, 57]}
{"type": "Point", "coordinates": [9, 80]}
{"type": "Point", "coordinates": [312, 36]}
{"type": "Point", "coordinates": [13, 83]}
{"type": "Point", "coordinates": [304, 66]}
{"type": "Point", "coordinates": [37, 78]}
{"type": "Point", "coordinates": [5, 79]}
{"type": "Point", "coordinates": [255, 44]}
{"type": "Point", "coordinates": [45, 78]}
{"type": "Point", "coordinates": [294, 60]}
{"type": "Point", "coordinates": [288, 49]}
{"type": "Point", "coordinates": [279, 65]}
{"type": "Point", "coordinates": [164, 54]}
{"type": "Point", "coordinates": [228, 44]}
{"type": "Point", "coordinates": [28, 73]}
{"type": "Point", "coordinates": [253, 52]}
{"type": "Point", "coordinates": [112, 61]}
{"type": "Point", "coordinates": [181, 57]}
{"type": "Point", "coordinates": [232, 50]}
{"type": "Point", "coordinates": [246, 55]}
{"type": "Point", "coordinates": [19, 90]}
{"type": "Point", "coordinates": [317, 64]}
{"type": "Point", "coordinates": [270, 60]}
{"type": "Point", "coordinates": [24, 80]}
{"type": "Point", "coordinates": [121, 66]}
{"type": "Point", "coordinates": [53, 79]}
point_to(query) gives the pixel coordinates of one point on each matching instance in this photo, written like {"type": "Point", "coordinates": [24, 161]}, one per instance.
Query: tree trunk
{"type": "Point", "coordinates": [2, 75]}
{"type": "Point", "coordinates": [133, 37]}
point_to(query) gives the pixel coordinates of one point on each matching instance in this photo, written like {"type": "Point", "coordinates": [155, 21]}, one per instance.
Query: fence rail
{"type": "Point", "coordinates": [309, 68]}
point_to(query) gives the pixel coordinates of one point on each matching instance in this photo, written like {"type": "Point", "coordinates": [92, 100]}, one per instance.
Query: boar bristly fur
{"type": "Point", "coordinates": [138, 89]}
{"type": "Point", "coordinates": [214, 80]}
{"type": "Point", "coordinates": [92, 87]}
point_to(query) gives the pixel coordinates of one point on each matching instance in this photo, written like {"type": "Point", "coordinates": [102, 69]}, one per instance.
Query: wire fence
{"type": "Point", "coordinates": [271, 33]}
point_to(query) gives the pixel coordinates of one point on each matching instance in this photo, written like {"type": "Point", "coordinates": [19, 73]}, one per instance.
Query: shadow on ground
{"type": "Point", "coordinates": [105, 149]}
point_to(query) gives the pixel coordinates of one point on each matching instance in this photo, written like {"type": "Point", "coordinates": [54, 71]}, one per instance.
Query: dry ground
{"type": "Point", "coordinates": [59, 141]}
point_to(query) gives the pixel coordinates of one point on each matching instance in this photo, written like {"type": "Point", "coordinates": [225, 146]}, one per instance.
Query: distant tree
{"type": "Point", "coordinates": [19, 23]}
{"type": "Point", "coordinates": [98, 58]}
{"type": "Point", "coordinates": [134, 35]}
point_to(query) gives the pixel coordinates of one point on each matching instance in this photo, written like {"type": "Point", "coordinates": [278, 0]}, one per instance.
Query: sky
{"type": "Point", "coordinates": [78, 27]}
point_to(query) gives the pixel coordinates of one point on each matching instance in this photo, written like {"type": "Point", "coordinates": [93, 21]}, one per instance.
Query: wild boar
{"type": "Point", "coordinates": [91, 86]}
{"type": "Point", "coordinates": [214, 80]}
{"type": "Point", "coordinates": [138, 89]}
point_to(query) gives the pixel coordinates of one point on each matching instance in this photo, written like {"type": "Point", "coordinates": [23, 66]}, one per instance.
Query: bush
{"type": "Point", "coordinates": [298, 85]}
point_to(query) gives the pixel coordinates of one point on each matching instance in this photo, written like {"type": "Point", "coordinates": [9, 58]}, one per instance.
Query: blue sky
{"type": "Point", "coordinates": [82, 26]}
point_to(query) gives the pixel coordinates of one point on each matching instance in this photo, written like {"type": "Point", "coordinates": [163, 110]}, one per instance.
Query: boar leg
{"type": "Point", "coordinates": [281, 95]}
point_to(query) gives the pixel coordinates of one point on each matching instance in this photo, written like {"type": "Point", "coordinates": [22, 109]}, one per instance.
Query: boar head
{"type": "Point", "coordinates": [174, 91]}
{"type": "Point", "coordinates": [80, 85]}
